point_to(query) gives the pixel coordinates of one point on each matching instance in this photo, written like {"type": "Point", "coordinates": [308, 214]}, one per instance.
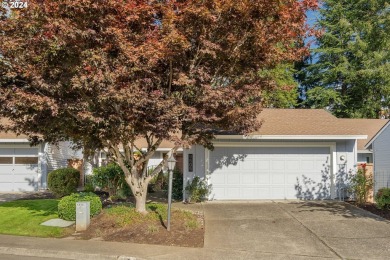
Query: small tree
{"type": "Point", "coordinates": [361, 184]}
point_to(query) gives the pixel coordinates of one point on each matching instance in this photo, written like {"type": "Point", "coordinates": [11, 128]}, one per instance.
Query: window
{"type": "Point", "coordinates": [26, 160]}
{"type": "Point", "coordinates": [190, 162]}
{"type": "Point", "coordinates": [5, 160]}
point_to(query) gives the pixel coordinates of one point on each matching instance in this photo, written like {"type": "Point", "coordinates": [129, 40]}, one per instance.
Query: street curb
{"type": "Point", "coordinates": [61, 254]}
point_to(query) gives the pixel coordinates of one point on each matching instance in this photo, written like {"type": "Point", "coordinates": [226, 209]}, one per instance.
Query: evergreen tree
{"type": "Point", "coordinates": [351, 70]}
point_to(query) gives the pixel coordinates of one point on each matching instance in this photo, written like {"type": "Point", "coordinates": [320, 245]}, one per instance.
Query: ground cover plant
{"type": "Point", "coordinates": [23, 217]}
{"type": "Point", "coordinates": [124, 224]}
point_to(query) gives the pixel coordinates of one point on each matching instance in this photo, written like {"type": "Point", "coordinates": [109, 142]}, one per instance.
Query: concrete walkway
{"type": "Point", "coordinates": [243, 230]}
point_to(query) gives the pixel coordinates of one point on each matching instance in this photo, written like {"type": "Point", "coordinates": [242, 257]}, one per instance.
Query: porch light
{"type": "Point", "coordinates": [171, 163]}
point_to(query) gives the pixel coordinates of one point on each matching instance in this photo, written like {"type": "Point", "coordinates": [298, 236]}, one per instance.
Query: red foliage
{"type": "Point", "coordinates": [108, 72]}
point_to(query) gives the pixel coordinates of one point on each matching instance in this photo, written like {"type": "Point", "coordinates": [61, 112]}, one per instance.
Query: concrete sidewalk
{"type": "Point", "coordinates": [99, 250]}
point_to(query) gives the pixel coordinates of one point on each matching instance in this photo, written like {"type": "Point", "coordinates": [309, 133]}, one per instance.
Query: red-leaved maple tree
{"type": "Point", "coordinates": [105, 73]}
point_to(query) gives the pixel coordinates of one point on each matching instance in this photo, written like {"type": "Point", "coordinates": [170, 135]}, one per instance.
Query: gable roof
{"type": "Point", "coordinates": [297, 122]}
{"type": "Point", "coordinates": [367, 146]}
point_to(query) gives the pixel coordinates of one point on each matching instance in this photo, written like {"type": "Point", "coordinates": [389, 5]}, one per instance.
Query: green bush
{"type": "Point", "coordinates": [382, 198]}
{"type": "Point", "coordinates": [111, 179]}
{"type": "Point", "coordinates": [177, 185]}
{"type": "Point", "coordinates": [198, 189]}
{"type": "Point", "coordinates": [64, 181]}
{"type": "Point", "coordinates": [360, 185]}
{"type": "Point", "coordinates": [159, 181]}
{"type": "Point", "coordinates": [67, 205]}
{"type": "Point", "coordinates": [88, 185]}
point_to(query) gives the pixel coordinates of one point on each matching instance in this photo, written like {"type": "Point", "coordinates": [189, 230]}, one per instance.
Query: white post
{"type": "Point", "coordinates": [169, 200]}
{"type": "Point", "coordinates": [82, 215]}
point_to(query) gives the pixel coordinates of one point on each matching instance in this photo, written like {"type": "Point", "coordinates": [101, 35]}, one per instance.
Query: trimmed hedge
{"type": "Point", "coordinates": [63, 181]}
{"type": "Point", "coordinates": [67, 205]}
{"type": "Point", "coordinates": [382, 198]}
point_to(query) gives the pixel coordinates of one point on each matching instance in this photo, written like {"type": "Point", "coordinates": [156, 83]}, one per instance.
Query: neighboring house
{"type": "Point", "coordinates": [25, 168]}
{"type": "Point", "coordinates": [296, 154]}
{"type": "Point", "coordinates": [20, 164]}
{"type": "Point", "coordinates": [379, 145]}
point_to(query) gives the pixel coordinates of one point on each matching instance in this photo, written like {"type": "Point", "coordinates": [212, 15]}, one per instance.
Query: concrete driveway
{"type": "Point", "coordinates": [295, 230]}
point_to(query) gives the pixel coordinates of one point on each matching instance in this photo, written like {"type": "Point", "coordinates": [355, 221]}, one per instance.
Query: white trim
{"type": "Point", "coordinates": [159, 150]}
{"type": "Point", "coordinates": [14, 141]}
{"type": "Point", "coordinates": [293, 137]}
{"type": "Point", "coordinates": [364, 151]}
{"type": "Point", "coordinates": [206, 162]}
{"type": "Point", "coordinates": [275, 144]}
{"type": "Point", "coordinates": [18, 145]}
{"type": "Point", "coordinates": [333, 170]}
{"type": "Point", "coordinates": [376, 135]}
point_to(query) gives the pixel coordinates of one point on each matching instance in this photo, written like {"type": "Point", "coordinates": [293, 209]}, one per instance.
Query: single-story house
{"type": "Point", "coordinates": [379, 145]}
{"type": "Point", "coordinates": [296, 154]}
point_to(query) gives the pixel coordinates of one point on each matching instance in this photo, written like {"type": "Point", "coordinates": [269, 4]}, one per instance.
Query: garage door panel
{"type": "Point", "coordinates": [264, 179]}
{"type": "Point", "coordinates": [23, 169]}
{"type": "Point", "coordinates": [292, 165]}
{"type": "Point", "coordinates": [278, 178]}
{"type": "Point", "coordinates": [24, 178]}
{"type": "Point", "coordinates": [277, 165]}
{"type": "Point", "coordinates": [26, 151]}
{"type": "Point", "coordinates": [25, 186]}
{"type": "Point", "coordinates": [263, 164]}
{"type": "Point", "coordinates": [233, 178]}
{"type": "Point", "coordinates": [250, 164]}
{"type": "Point", "coordinates": [248, 179]}
{"type": "Point", "coordinates": [6, 186]}
{"type": "Point", "coordinates": [270, 173]}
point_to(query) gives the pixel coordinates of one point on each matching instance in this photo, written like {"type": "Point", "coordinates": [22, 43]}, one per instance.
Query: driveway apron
{"type": "Point", "coordinates": [320, 229]}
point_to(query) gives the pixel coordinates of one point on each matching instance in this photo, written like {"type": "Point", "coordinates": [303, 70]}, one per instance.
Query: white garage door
{"type": "Point", "coordinates": [270, 173]}
{"type": "Point", "coordinates": [18, 169]}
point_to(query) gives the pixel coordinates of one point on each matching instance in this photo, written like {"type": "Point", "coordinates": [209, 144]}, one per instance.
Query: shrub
{"type": "Point", "coordinates": [198, 189]}
{"type": "Point", "coordinates": [360, 185]}
{"type": "Point", "coordinates": [88, 186]}
{"type": "Point", "coordinates": [67, 205]}
{"type": "Point", "coordinates": [382, 198]}
{"type": "Point", "coordinates": [111, 178]}
{"type": "Point", "coordinates": [64, 181]}
{"type": "Point", "coordinates": [177, 185]}
{"type": "Point", "coordinates": [159, 182]}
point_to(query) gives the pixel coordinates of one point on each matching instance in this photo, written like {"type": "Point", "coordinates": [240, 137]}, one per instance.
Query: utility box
{"type": "Point", "coordinates": [82, 215]}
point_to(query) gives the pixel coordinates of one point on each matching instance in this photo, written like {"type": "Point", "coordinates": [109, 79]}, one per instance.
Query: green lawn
{"type": "Point", "coordinates": [23, 217]}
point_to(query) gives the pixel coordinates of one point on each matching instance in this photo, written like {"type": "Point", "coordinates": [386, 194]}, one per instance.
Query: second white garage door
{"type": "Point", "coordinates": [269, 173]}
{"type": "Point", "coordinates": [18, 169]}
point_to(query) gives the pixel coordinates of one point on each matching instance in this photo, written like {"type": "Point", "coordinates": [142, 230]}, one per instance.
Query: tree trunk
{"type": "Point", "coordinates": [139, 188]}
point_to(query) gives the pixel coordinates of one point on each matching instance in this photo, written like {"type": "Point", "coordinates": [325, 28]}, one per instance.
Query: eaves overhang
{"type": "Point", "coordinates": [293, 137]}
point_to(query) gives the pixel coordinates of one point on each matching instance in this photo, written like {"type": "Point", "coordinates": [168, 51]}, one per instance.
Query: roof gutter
{"type": "Point", "coordinates": [293, 137]}
{"type": "Point", "coordinates": [14, 141]}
